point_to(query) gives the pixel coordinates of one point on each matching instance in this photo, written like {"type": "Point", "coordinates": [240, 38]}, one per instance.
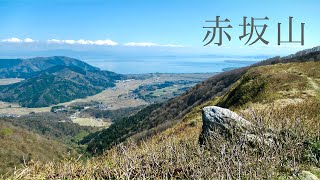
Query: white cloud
{"type": "Point", "coordinates": [70, 41]}
{"type": "Point", "coordinates": [83, 42]}
{"type": "Point", "coordinates": [149, 44]}
{"type": "Point", "coordinates": [28, 40]}
{"type": "Point", "coordinates": [105, 42]}
{"type": "Point", "coordinates": [17, 40]}
{"type": "Point", "coordinates": [54, 41]}
{"type": "Point", "coordinates": [12, 40]}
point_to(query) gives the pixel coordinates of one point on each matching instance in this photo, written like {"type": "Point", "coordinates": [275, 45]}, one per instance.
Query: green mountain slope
{"type": "Point", "coordinates": [19, 146]}
{"type": "Point", "coordinates": [55, 126]}
{"type": "Point", "coordinates": [23, 68]}
{"type": "Point", "coordinates": [118, 132]}
{"type": "Point", "coordinates": [56, 85]}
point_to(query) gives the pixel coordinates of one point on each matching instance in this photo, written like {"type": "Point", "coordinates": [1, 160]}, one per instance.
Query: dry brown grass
{"type": "Point", "coordinates": [175, 153]}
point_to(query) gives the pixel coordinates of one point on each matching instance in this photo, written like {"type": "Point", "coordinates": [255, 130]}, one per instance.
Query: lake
{"type": "Point", "coordinates": [169, 64]}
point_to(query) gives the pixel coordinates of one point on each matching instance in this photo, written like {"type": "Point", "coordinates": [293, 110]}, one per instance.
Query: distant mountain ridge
{"type": "Point", "coordinates": [304, 52]}
{"type": "Point", "coordinates": [53, 80]}
{"type": "Point", "coordinates": [23, 68]}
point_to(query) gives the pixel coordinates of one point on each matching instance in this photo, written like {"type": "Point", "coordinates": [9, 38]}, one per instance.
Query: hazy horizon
{"type": "Point", "coordinates": [143, 36]}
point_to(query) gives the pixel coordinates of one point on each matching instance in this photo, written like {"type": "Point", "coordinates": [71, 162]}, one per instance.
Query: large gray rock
{"type": "Point", "coordinates": [222, 120]}
{"type": "Point", "coordinates": [229, 124]}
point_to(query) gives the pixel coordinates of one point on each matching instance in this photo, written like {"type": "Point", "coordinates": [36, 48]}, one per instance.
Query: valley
{"type": "Point", "coordinates": [126, 126]}
{"type": "Point", "coordinates": [121, 96]}
{"type": "Point", "coordinates": [65, 124]}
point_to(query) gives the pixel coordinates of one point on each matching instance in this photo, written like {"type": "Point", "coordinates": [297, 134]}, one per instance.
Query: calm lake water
{"type": "Point", "coordinates": [169, 64]}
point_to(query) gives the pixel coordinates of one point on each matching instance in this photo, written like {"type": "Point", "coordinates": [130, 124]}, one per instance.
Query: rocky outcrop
{"type": "Point", "coordinates": [229, 124]}
{"type": "Point", "coordinates": [222, 120]}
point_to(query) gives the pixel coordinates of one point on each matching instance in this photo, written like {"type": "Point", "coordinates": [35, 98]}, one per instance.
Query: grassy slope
{"type": "Point", "coordinates": [281, 83]}
{"type": "Point", "coordinates": [19, 145]}
{"type": "Point", "coordinates": [282, 97]}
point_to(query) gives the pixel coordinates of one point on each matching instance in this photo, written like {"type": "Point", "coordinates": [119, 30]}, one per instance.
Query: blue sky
{"type": "Point", "coordinates": [173, 26]}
